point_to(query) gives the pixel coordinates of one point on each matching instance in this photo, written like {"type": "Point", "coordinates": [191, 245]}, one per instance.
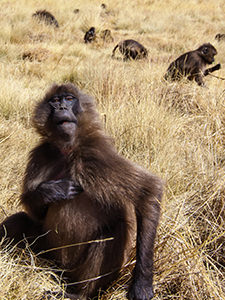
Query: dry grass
{"type": "Point", "coordinates": [176, 130]}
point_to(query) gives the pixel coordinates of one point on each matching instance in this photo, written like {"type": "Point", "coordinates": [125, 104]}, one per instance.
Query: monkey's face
{"type": "Point", "coordinates": [63, 117]}
{"type": "Point", "coordinates": [57, 116]}
{"type": "Point", "coordinates": [208, 52]}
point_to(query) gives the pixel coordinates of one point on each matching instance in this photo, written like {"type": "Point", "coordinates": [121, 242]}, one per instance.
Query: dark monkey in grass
{"type": "Point", "coordinates": [131, 49]}
{"type": "Point", "coordinates": [46, 16]}
{"type": "Point", "coordinates": [193, 64]}
{"type": "Point", "coordinates": [77, 188]}
{"type": "Point", "coordinates": [90, 35]}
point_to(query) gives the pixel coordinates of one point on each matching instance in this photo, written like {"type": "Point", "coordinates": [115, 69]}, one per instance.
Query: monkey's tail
{"type": "Point", "coordinates": [114, 50]}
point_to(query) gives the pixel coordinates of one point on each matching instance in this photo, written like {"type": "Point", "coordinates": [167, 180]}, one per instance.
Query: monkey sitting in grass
{"type": "Point", "coordinates": [193, 64]}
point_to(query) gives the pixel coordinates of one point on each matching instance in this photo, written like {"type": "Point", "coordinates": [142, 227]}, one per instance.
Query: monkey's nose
{"type": "Point", "coordinates": [63, 107]}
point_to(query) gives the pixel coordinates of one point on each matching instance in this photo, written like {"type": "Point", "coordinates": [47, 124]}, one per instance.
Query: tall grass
{"type": "Point", "coordinates": [173, 129]}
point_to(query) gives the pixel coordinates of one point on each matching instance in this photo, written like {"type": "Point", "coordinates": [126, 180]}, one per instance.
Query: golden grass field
{"type": "Point", "coordinates": [176, 130]}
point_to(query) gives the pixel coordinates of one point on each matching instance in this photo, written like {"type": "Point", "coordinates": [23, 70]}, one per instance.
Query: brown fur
{"type": "Point", "coordinates": [46, 16]}
{"type": "Point", "coordinates": [131, 49]}
{"type": "Point", "coordinates": [106, 35]}
{"type": "Point", "coordinates": [117, 196]}
{"type": "Point", "coordinates": [38, 54]}
{"type": "Point", "coordinates": [90, 35]}
{"type": "Point", "coordinates": [193, 64]}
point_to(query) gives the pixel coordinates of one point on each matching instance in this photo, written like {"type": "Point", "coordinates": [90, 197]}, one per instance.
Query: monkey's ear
{"type": "Point", "coordinates": [205, 50]}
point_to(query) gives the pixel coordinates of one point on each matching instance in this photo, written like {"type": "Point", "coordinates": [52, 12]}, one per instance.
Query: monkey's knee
{"type": "Point", "coordinates": [16, 228]}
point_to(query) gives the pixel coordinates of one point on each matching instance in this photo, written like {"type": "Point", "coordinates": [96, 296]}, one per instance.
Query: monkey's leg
{"type": "Point", "coordinates": [19, 229]}
{"type": "Point", "coordinates": [114, 252]}
{"type": "Point", "coordinates": [199, 79]}
{"type": "Point", "coordinates": [102, 263]}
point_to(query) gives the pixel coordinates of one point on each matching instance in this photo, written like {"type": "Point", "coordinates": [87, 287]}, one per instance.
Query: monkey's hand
{"type": "Point", "coordinates": [210, 70]}
{"type": "Point", "coordinates": [56, 190]}
{"type": "Point", "coordinates": [140, 290]}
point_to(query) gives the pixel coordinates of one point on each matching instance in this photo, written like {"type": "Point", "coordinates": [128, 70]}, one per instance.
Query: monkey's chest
{"type": "Point", "coordinates": [60, 171]}
{"type": "Point", "coordinates": [73, 220]}
{"type": "Point", "coordinates": [71, 227]}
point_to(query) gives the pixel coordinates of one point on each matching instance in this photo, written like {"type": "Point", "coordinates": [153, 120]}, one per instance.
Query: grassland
{"type": "Point", "coordinates": [176, 130]}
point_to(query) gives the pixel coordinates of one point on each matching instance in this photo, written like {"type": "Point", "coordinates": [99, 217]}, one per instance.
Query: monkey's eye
{"type": "Point", "coordinates": [205, 50]}
{"type": "Point", "coordinates": [69, 98]}
{"type": "Point", "coordinates": [55, 99]}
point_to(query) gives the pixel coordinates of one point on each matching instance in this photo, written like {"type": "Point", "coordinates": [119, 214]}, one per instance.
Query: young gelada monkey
{"type": "Point", "coordinates": [90, 35]}
{"type": "Point", "coordinates": [78, 189]}
{"type": "Point", "coordinates": [131, 49]}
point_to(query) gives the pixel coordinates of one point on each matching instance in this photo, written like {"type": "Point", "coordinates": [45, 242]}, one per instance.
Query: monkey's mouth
{"type": "Point", "coordinates": [66, 124]}
{"type": "Point", "coordinates": [63, 122]}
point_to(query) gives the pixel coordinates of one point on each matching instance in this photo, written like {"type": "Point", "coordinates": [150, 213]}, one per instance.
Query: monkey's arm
{"type": "Point", "coordinates": [37, 200]}
{"type": "Point", "coordinates": [41, 188]}
{"type": "Point", "coordinates": [210, 70]}
{"type": "Point", "coordinates": [197, 74]}
{"type": "Point", "coordinates": [147, 213]}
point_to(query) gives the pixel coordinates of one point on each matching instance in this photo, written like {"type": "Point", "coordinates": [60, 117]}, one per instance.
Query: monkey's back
{"type": "Point", "coordinates": [184, 65]}
{"type": "Point", "coordinates": [132, 46]}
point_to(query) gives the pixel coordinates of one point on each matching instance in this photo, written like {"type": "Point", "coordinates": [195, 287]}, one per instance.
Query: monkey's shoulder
{"type": "Point", "coordinates": [43, 154]}
{"type": "Point", "coordinates": [45, 149]}
{"type": "Point", "coordinates": [144, 176]}
{"type": "Point", "coordinates": [45, 162]}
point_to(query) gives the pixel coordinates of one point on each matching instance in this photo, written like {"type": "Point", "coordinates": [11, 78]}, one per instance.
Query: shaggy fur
{"type": "Point", "coordinates": [131, 49]}
{"type": "Point", "coordinates": [120, 201]}
{"type": "Point", "coordinates": [193, 64]}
